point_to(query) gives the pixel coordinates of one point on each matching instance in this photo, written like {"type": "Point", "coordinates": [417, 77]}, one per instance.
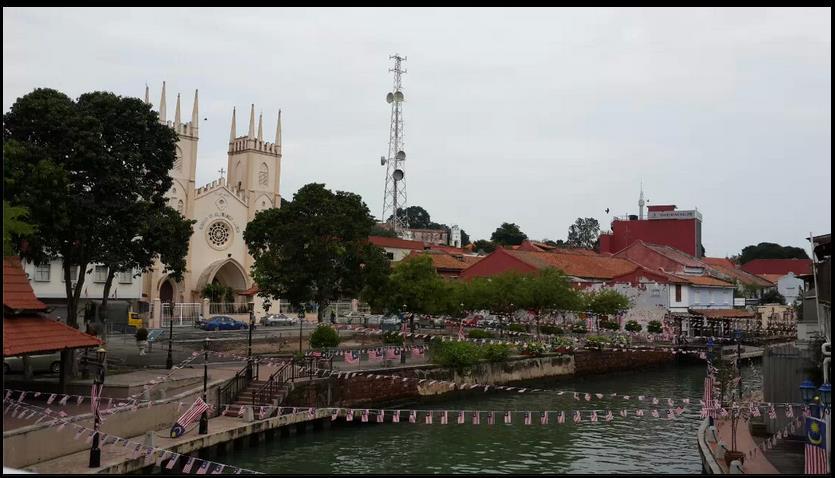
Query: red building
{"type": "Point", "coordinates": [779, 267]}
{"type": "Point", "coordinates": [664, 225]}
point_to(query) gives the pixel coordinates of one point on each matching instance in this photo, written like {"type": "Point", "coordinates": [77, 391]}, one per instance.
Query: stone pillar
{"type": "Point", "coordinates": [155, 321]}
{"type": "Point", "coordinates": [205, 309]}
{"type": "Point", "coordinates": [354, 305]}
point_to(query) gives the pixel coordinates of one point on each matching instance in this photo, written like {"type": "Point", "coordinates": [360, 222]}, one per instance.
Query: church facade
{"type": "Point", "coordinates": [217, 251]}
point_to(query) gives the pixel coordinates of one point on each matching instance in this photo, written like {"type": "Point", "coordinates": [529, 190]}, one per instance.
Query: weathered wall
{"type": "Point", "coordinates": [596, 362]}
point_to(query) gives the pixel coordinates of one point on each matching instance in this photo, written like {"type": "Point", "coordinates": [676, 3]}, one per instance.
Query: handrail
{"type": "Point", "coordinates": [265, 394]}
{"type": "Point", "coordinates": [227, 393]}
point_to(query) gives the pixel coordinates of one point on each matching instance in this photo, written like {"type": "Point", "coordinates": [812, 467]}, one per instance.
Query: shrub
{"type": "Point", "coordinates": [324, 336]}
{"type": "Point", "coordinates": [597, 341]}
{"type": "Point", "coordinates": [579, 328]}
{"type": "Point", "coordinates": [533, 348]}
{"type": "Point", "coordinates": [654, 327]}
{"type": "Point", "coordinates": [562, 342]}
{"type": "Point", "coordinates": [392, 338]}
{"type": "Point", "coordinates": [517, 328]}
{"type": "Point", "coordinates": [457, 355]}
{"type": "Point", "coordinates": [479, 334]}
{"type": "Point", "coordinates": [496, 352]}
{"type": "Point", "coordinates": [633, 326]}
{"type": "Point", "coordinates": [141, 334]}
{"type": "Point", "coordinates": [620, 340]}
{"type": "Point", "coordinates": [551, 330]}
{"type": "Point", "coordinates": [609, 325]}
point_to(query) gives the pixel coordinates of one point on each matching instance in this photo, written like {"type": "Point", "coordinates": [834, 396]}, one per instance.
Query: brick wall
{"type": "Point", "coordinates": [596, 362]}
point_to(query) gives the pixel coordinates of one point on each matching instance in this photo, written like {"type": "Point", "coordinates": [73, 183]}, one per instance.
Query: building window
{"type": "Point", "coordinates": [678, 292]}
{"type": "Point", "coordinates": [390, 255]}
{"type": "Point", "coordinates": [126, 277]}
{"type": "Point", "coordinates": [219, 235]}
{"type": "Point", "coordinates": [656, 292]}
{"type": "Point", "coordinates": [73, 273]}
{"type": "Point", "coordinates": [100, 274]}
{"type": "Point", "coordinates": [263, 174]}
{"type": "Point", "coordinates": [42, 272]}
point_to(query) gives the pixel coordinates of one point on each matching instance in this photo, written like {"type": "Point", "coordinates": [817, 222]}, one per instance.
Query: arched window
{"type": "Point", "coordinates": [263, 174]}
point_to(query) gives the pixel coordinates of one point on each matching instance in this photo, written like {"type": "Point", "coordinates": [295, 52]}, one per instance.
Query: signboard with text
{"type": "Point", "coordinates": [674, 215]}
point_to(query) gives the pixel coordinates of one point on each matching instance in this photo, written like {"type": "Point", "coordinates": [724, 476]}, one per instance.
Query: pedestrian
{"type": "Point", "coordinates": [333, 317]}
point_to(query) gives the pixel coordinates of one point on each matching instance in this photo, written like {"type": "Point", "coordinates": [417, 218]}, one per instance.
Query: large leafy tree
{"type": "Point", "coordinates": [484, 246]}
{"type": "Point", "coordinates": [315, 248]}
{"type": "Point", "coordinates": [770, 250]}
{"type": "Point", "coordinates": [79, 167]}
{"type": "Point", "coordinates": [508, 234]}
{"type": "Point", "coordinates": [415, 284]}
{"type": "Point", "coordinates": [583, 233]}
{"type": "Point", "coordinates": [14, 226]}
{"type": "Point", "coordinates": [606, 302]}
{"type": "Point", "coordinates": [416, 216]}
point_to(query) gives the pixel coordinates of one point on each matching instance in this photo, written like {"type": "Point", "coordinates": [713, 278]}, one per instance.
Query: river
{"type": "Point", "coordinates": [624, 445]}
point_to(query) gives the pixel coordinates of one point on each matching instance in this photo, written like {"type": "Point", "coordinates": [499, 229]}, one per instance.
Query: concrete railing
{"type": "Point", "coordinates": [707, 434]}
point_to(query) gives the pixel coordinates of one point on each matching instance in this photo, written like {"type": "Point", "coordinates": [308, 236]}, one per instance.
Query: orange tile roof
{"type": "Point", "coordinates": [395, 243]}
{"type": "Point", "coordinates": [30, 334]}
{"type": "Point", "coordinates": [773, 278]}
{"type": "Point", "coordinates": [724, 313]}
{"type": "Point", "coordinates": [592, 266]}
{"type": "Point", "coordinates": [17, 291]}
{"type": "Point", "coordinates": [742, 276]}
{"type": "Point", "coordinates": [674, 254]}
{"type": "Point", "coordinates": [441, 260]}
{"type": "Point", "coordinates": [470, 260]}
{"type": "Point", "coordinates": [449, 249]}
{"type": "Point", "coordinates": [719, 261]}
{"type": "Point", "coordinates": [703, 280]}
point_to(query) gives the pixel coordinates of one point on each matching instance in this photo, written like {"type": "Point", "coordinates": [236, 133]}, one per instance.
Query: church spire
{"type": "Point", "coordinates": [177, 112]}
{"type": "Point", "coordinates": [260, 127]}
{"type": "Point", "coordinates": [195, 120]}
{"type": "Point", "coordinates": [233, 131]}
{"type": "Point", "coordinates": [147, 94]}
{"type": "Point", "coordinates": [251, 133]}
{"type": "Point", "coordinates": [278, 131]}
{"type": "Point", "coordinates": [162, 104]}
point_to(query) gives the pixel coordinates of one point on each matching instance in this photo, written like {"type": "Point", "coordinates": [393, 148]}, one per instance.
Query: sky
{"type": "Point", "coordinates": [530, 116]}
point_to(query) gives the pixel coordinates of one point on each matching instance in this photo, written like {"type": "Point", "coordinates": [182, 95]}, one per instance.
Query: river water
{"type": "Point", "coordinates": [624, 445]}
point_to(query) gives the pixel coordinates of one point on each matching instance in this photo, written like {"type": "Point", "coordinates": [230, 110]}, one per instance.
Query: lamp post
{"type": "Point", "coordinates": [249, 349]}
{"type": "Point", "coordinates": [169, 362]}
{"type": "Point", "coordinates": [301, 320]}
{"type": "Point", "coordinates": [403, 349]}
{"type": "Point", "coordinates": [204, 418]}
{"type": "Point", "coordinates": [738, 337]}
{"type": "Point", "coordinates": [98, 381]}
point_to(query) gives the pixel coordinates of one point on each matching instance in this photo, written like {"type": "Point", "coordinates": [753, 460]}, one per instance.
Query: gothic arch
{"type": "Point", "coordinates": [227, 272]}
{"type": "Point", "coordinates": [263, 175]}
{"type": "Point", "coordinates": [263, 202]}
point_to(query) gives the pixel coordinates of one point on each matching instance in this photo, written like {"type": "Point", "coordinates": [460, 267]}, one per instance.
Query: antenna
{"type": "Point", "coordinates": [394, 195]}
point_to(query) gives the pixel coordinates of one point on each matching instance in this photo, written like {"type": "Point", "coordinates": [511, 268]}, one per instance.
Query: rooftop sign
{"type": "Point", "coordinates": [674, 215]}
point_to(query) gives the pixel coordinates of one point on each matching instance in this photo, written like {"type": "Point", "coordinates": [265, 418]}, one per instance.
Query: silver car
{"type": "Point", "coordinates": [279, 319]}
{"type": "Point", "coordinates": [40, 363]}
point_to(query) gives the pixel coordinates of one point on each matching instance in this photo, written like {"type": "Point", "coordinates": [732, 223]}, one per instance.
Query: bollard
{"type": "Point", "coordinates": [711, 436]}
{"type": "Point", "coordinates": [720, 450]}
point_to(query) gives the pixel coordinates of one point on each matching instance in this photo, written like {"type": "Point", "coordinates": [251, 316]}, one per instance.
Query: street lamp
{"type": "Point", "coordinates": [169, 362]}
{"type": "Point", "coordinates": [403, 349]}
{"type": "Point", "coordinates": [204, 418]}
{"type": "Point", "coordinates": [825, 391]}
{"type": "Point", "coordinates": [301, 319]}
{"type": "Point", "coordinates": [98, 381]}
{"type": "Point", "coordinates": [249, 350]}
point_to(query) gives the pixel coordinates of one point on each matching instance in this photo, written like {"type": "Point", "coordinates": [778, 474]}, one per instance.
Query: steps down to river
{"type": "Point", "coordinates": [245, 397]}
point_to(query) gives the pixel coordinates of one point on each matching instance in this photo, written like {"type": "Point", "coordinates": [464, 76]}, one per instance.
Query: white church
{"type": "Point", "coordinates": [217, 251]}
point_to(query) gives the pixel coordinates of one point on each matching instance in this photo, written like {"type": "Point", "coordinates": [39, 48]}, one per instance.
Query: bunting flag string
{"type": "Point", "coordinates": [138, 449]}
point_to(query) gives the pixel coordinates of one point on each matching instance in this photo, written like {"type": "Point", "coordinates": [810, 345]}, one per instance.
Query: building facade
{"type": "Point", "coordinates": [663, 225]}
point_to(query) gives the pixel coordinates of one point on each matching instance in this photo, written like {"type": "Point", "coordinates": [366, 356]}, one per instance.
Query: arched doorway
{"type": "Point", "coordinates": [229, 274]}
{"type": "Point", "coordinates": [166, 292]}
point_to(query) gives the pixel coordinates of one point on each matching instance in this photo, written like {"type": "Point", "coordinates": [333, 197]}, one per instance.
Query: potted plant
{"type": "Point", "coordinates": [633, 326]}
{"type": "Point", "coordinates": [562, 345]}
{"type": "Point", "coordinates": [141, 339]}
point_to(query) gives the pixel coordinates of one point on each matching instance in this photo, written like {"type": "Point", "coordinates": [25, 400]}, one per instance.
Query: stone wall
{"type": "Point", "coordinates": [596, 362]}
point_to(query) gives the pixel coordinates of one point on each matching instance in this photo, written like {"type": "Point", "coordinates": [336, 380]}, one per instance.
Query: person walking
{"type": "Point", "coordinates": [333, 317]}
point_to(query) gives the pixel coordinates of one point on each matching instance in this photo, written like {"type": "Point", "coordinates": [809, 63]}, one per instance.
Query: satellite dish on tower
{"type": "Point", "coordinates": [398, 174]}
{"type": "Point", "coordinates": [400, 156]}
{"type": "Point", "coordinates": [382, 160]}
{"type": "Point", "coordinates": [389, 98]}
{"type": "Point", "coordinates": [398, 96]}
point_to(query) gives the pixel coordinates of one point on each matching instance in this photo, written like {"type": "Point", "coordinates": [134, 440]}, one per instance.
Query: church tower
{"type": "Point", "coordinates": [255, 165]}
{"type": "Point", "coordinates": [181, 195]}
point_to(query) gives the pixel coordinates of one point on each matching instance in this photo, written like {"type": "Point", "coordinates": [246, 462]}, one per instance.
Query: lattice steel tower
{"type": "Point", "coordinates": [395, 192]}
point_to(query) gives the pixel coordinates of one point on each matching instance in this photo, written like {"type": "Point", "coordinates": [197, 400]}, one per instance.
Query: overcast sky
{"type": "Point", "coordinates": [529, 116]}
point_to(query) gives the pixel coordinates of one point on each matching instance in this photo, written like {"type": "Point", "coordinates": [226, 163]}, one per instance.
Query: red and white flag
{"type": "Point", "coordinates": [654, 413]}
{"type": "Point", "coordinates": [417, 352]}
{"type": "Point", "coordinates": [594, 415]}
{"type": "Point", "coordinates": [364, 418]}
{"type": "Point", "coordinates": [577, 417]}
{"type": "Point", "coordinates": [218, 469]}
{"type": "Point", "coordinates": [814, 461]}
{"type": "Point", "coordinates": [543, 418]}
{"type": "Point", "coordinates": [392, 354]}
{"type": "Point", "coordinates": [491, 418]}
{"type": "Point", "coordinates": [527, 418]}
{"type": "Point", "coordinates": [188, 465]}
{"type": "Point", "coordinates": [507, 417]}
{"type": "Point", "coordinates": [349, 415]}
{"type": "Point", "coordinates": [375, 356]}
{"type": "Point", "coordinates": [428, 418]}
{"type": "Point", "coordinates": [460, 418]}
{"type": "Point", "coordinates": [476, 418]}
{"type": "Point", "coordinates": [412, 416]}
{"type": "Point", "coordinates": [203, 468]}
{"type": "Point", "coordinates": [609, 416]}
{"type": "Point", "coordinates": [396, 417]}
{"type": "Point", "coordinates": [444, 418]}
{"type": "Point", "coordinates": [381, 416]}
{"type": "Point", "coordinates": [334, 414]}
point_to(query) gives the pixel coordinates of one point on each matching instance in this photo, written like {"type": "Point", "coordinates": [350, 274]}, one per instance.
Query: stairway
{"type": "Point", "coordinates": [245, 397]}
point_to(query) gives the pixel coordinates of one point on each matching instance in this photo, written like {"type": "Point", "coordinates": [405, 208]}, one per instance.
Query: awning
{"type": "Point", "coordinates": [32, 334]}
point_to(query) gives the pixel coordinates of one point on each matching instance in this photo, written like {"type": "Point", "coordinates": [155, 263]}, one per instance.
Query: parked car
{"type": "Point", "coordinates": [40, 363]}
{"type": "Point", "coordinates": [390, 323]}
{"type": "Point", "coordinates": [224, 322]}
{"type": "Point", "coordinates": [372, 320]}
{"type": "Point", "coordinates": [279, 319]}
{"type": "Point", "coordinates": [472, 321]}
{"type": "Point", "coordinates": [430, 322]}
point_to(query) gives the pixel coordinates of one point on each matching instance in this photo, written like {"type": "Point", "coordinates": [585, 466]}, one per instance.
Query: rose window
{"type": "Point", "coordinates": [219, 233]}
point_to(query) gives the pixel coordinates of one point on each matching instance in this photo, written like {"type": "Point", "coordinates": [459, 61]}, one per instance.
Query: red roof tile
{"type": "Point", "coordinates": [395, 243]}
{"type": "Point", "coordinates": [742, 276]}
{"type": "Point", "coordinates": [704, 280]}
{"type": "Point", "coordinates": [719, 261]}
{"type": "Point", "coordinates": [31, 334]}
{"type": "Point", "coordinates": [17, 291]}
{"type": "Point", "coordinates": [773, 278]}
{"type": "Point", "coordinates": [449, 249]}
{"type": "Point", "coordinates": [675, 255]}
{"type": "Point", "coordinates": [577, 264]}
{"type": "Point", "coordinates": [441, 260]}
{"type": "Point", "coordinates": [778, 266]}
{"type": "Point", "coordinates": [251, 291]}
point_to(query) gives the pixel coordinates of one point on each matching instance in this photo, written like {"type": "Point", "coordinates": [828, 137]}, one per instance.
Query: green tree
{"type": "Point", "coordinates": [416, 217]}
{"type": "Point", "coordinates": [771, 296]}
{"type": "Point", "coordinates": [324, 336]}
{"type": "Point", "coordinates": [583, 233]}
{"type": "Point", "coordinates": [465, 238]}
{"type": "Point", "coordinates": [483, 245]}
{"type": "Point", "coordinates": [382, 232]}
{"type": "Point", "coordinates": [14, 227]}
{"type": "Point", "coordinates": [606, 302]}
{"type": "Point", "coordinates": [415, 284]}
{"type": "Point", "coordinates": [78, 166]}
{"type": "Point", "coordinates": [315, 249]}
{"type": "Point", "coordinates": [770, 250]}
{"type": "Point", "coordinates": [508, 234]}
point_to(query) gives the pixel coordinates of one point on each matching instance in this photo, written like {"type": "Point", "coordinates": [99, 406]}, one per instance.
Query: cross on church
{"type": "Point", "coordinates": [221, 171]}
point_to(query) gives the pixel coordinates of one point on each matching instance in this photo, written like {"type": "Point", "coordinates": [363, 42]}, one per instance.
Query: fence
{"type": "Point", "coordinates": [182, 314]}
{"type": "Point", "coordinates": [340, 308]}
{"type": "Point", "coordinates": [224, 308]}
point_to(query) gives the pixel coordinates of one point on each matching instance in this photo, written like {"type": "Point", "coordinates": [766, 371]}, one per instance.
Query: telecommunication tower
{"type": "Point", "coordinates": [394, 196]}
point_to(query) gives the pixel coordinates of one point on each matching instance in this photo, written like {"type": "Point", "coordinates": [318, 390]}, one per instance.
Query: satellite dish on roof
{"type": "Point", "coordinates": [382, 160]}
{"type": "Point", "coordinates": [398, 96]}
{"type": "Point", "coordinates": [389, 98]}
{"type": "Point", "coordinates": [400, 156]}
{"type": "Point", "coordinates": [398, 174]}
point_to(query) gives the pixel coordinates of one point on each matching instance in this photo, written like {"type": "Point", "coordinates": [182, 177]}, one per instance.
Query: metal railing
{"type": "Point", "coordinates": [229, 392]}
{"type": "Point", "coordinates": [182, 314]}
{"type": "Point", "coordinates": [277, 381]}
{"type": "Point", "coordinates": [224, 308]}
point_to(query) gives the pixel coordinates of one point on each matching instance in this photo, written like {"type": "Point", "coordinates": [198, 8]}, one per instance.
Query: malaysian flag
{"type": "Point", "coordinates": [444, 418]}
{"type": "Point", "coordinates": [461, 331]}
{"type": "Point", "coordinates": [381, 416]}
{"type": "Point", "coordinates": [334, 414]}
{"type": "Point", "coordinates": [428, 418]}
{"type": "Point", "coordinates": [417, 352]}
{"type": "Point", "coordinates": [392, 354]}
{"type": "Point", "coordinates": [577, 417]}
{"type": "Point", "coordinates": [654, 413]}
{"type": "Point", "coordinates": [507, 417]}
{"type": "Point", "coordinates": [561, 417]}
{"type": "Point", "coordinates": [396, 417]}
{"type": "Point", "coordinates": [460, 418]}
{"type": "Point", "coordinates": [188, 465]}
{"type": "Point", "coordinates": [623, 413]}
{"type": "Point", "coordinates": [375, 356]}
{"type": "Point", "coordinates": [609, 416]}
{"type": "Point", "coordinates": [594, 415]}
{"type": "Point", "coordinates": [815, 457]}
{"type": "Point", "coordinates": [491, 418]}
{"type": "Point", "coordinates": [543, 418]}
{"type": "Point", "coordinates": [351, 358]}
{"type": "Point", "coordinates": [190, 416]}
{"type": "Point", "coordinates": [476, 418]}
{"type": "Point", "coordinates": [364, 418]}
{"type": "Point", "coordinates": [527, 418]}
{"type": "Point", "coordinates": [412, 416]}
{"type": "Point", "coordinates": [708, 397]}
{"type": "Point", "coordinates": [203, 468]}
